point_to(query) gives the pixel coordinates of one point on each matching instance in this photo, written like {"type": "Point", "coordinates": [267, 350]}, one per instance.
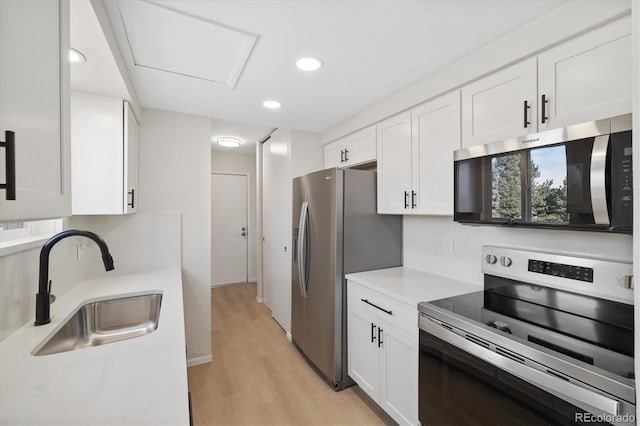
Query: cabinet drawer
{"type": "Point", "coordinates": [388, 309]}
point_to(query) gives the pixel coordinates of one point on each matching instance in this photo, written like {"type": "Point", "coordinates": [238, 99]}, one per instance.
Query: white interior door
{"type": "Point", "coordinates": [276, 227]}
{"type": "Point", "coordinates": [228, 229]}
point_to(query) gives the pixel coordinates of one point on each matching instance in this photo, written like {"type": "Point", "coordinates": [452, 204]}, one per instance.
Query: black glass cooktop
{"type": "Point", "coordinates": [544, 316]}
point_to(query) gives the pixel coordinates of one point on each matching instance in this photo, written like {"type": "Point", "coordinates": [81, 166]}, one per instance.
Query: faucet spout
{"type": "Point", "coordinates": [43, 298]}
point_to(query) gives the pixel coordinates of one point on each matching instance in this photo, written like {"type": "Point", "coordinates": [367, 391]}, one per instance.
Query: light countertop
{"type": "Point", "coordinates": [141, 381]}
{"type": "Point", "coordinates": [412, 286]}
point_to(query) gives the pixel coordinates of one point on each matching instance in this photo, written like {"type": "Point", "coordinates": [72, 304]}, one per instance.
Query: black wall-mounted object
{"type": "Point", "coordinates": [9, 145]}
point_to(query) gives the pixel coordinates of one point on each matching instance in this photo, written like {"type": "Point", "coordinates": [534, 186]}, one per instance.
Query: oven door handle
{"type": "Point", "coordinates": [577, 395]}
{"type": "Point", "coordinates": [599, 180]}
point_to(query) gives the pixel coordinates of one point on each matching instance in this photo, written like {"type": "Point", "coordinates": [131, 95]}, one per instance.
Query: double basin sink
{"type": "Point", "coordinates": [105, 321]}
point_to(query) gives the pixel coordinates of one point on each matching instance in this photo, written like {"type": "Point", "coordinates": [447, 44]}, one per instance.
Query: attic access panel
{"type": "Point", "coordinates": [173, 41]}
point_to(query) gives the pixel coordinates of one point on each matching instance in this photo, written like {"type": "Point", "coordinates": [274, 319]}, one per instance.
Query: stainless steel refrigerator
{"type": "Point", "coordinates": [336, 231]}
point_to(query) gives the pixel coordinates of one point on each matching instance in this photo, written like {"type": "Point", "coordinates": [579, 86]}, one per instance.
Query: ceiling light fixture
{"type": "Point", "coordinates": [309, 64]}
{"type": "Point", "coordinates": [76, 57]}
{"type": "Point", "coordinates": [271, 104]}
{"type": "Point", "coordinates": [229, 142]}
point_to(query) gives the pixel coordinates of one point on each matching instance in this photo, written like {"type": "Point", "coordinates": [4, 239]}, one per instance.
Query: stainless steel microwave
{"type": "Point", "coordinates": [578, 177]}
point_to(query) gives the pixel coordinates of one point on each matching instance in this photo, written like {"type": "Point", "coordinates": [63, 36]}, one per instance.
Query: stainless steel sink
{"type": "Point", "coordinates": [106, 321]}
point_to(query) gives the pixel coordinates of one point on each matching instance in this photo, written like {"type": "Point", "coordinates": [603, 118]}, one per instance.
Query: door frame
{"type": "Point", "coordinates": [259, 222]}
{"type": "Point", "coordinates": [246, 214]}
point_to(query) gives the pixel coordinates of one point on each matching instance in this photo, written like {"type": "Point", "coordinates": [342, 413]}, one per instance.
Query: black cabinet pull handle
{"type": "Point", "coordinates": [406, 200]}
{"type": "Point", "coordinates": [379, 337]}
{"type": "Point", "coordinates": [413, 199]}
{"type": "Point", "coordinates": [9, 145]}
{"type": "Point", "coordinates": [346, 153]}
{"type": "Point", "coordinates": [377, 307]}
{"type": "Point", "coordinates": [132, 204]}
{"type": "Point", "coordinates": [373, 332]}
{"type": "Point", "coordinates": [544, 109]}
{"type": "Point", "coordinates": [526, 114]}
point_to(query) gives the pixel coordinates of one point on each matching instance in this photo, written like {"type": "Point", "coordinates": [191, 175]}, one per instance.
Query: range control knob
{"type": "Point", "coordinates": [505, 261]}
{"type": "Point", "coordinates": [490, 259]}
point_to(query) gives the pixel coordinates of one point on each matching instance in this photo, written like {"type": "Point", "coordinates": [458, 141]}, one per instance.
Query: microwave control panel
{"type": "Point", "coordinates": [622, 178]}
{"type": "Point", "coordinates": [579, 273]}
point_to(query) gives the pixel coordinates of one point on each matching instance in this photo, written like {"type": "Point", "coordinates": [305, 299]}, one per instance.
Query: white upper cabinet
{"type": "Point", "coordinates": [334, 154]}
{"type": "Point", "coordinates": [415, 158]}
{"type": "Point", "coordinates": [394, 164]}
{"type": "Point", "coordinates": [587, 78]}
{"type": "Point", "coordinates": [501, 105]}
{"type": "Point", "coordinates": [34, 84]}
{"type": "Point", "coordinates": [130, 159]}
{"type": "Point", "coordinates": [104, 155]}
{"type": "Point", "coordinates": [354, 149]}
{"type": "Point", "coordinates": [435, 135]}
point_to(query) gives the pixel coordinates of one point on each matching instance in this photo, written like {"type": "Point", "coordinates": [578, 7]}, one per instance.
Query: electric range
{"type": "Point", "coordinates": [549, 340]}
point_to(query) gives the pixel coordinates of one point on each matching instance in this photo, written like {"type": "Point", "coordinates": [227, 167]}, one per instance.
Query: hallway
{"type": "Point", "coordinates": [258, 377]}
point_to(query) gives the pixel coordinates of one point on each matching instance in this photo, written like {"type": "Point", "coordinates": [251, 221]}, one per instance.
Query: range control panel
{"type": "Point", "coordinates": [562, 270]}
{"type": "Point", "coordinates": [610, 279]}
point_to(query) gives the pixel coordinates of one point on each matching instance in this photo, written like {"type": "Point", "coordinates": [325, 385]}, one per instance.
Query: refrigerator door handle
{"type": "Point", "coordinates": [302, 235]}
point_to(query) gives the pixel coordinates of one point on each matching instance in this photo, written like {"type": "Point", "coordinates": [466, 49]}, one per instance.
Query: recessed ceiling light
{"type": "Point", "coordinates": [271, 104]}
{"type": "Point", "coordinates": [75, 56]}
{"type": "Point", "coordinates": [229, 142]}
{"type": "Point", "coordinates": [309, 64]}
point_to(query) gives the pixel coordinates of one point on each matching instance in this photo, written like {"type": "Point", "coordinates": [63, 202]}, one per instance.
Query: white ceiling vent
{"type": "Point", "coordinates": [169, 40]}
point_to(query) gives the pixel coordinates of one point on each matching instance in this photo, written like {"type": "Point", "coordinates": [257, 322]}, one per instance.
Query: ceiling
{"type": "Point", "coordinates": [248, 135]}
{"type": "Point", "coordinates": [99, 74]}
{"type": "Point", "coordinates": [198, 57]}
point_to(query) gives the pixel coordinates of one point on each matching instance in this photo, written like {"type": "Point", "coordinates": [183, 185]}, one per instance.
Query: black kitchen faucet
{"type": "Point", "coordinates": [43, 298]}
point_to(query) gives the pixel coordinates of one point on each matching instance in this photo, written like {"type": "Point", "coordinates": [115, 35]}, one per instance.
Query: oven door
{"type": "Point", "coordinates": [458, 388]}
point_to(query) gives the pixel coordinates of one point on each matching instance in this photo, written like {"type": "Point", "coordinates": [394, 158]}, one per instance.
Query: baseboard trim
{"type": "Point", "coordinates": [230, 284]}
{"type": "Point", "coordinates": [289, 336]}
{"type": "Point", "coordinates": [259, 299]}
{"type": "Point", "coordinates": [192, 362]}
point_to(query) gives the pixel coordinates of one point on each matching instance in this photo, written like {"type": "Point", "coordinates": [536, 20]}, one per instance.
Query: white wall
{"type": "Point", "coordinates": [175, 176]}
{"type": "Point", "coordinates": [424, 236]}
{"type": "Point", "coordinates": [223, 162]}
{"type": "Point", "coordinates": [306, 153]}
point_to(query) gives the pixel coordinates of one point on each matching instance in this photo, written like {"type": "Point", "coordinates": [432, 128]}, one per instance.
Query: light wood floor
{"type": "Point", "coordinates": [258, 377]}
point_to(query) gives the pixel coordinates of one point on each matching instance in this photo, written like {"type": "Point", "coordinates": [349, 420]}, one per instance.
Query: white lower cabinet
{"type": "Point", "coordinates": [363, 354]}
{"type": "Point", "coordinates": [383, 351]}
{"type": "Point", "coordinates": [399, 374]}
